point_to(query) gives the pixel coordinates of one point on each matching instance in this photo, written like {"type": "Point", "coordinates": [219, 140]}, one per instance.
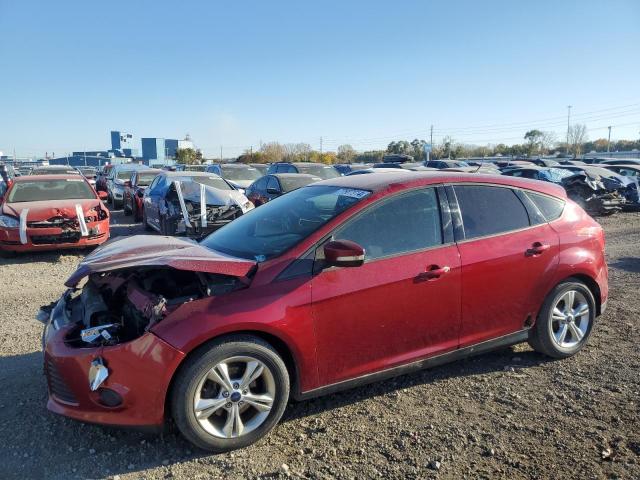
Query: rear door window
{"type": "Point", "coordinates": [403, 224]}
{"type": "Point", "coordinates": [488, 210]}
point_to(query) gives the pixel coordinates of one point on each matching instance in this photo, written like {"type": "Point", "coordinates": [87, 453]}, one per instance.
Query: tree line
{"type": "Point", "coordinates": [535, 142]}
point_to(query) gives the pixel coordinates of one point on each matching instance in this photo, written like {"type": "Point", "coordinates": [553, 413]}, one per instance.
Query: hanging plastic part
{"type": "Point", "coordinates": [98, 373]}
{"type": "Point", "coordinates": [23, 226]}
{"type": "Point", "coordinates": [84, 231]}
{"type": "Point", "coordinates": [183, 207]}
{"type": "Point", "coordinates": [203, 206]}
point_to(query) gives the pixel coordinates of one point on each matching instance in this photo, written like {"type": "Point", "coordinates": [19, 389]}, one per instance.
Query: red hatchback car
{"type": "Point", "coordinates": [51, 212]}
{"type": "Point", "coordinates": [340, 283]}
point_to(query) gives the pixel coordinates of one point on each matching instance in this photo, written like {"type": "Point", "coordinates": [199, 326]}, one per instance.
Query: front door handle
{"type": "Point", "coordinates": [433, 272]}
{"type": "Point", "coordinates": [536, 249]}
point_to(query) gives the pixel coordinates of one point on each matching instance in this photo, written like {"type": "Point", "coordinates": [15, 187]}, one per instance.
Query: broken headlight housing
{"type": "Point", "coordinates": [9, 222]}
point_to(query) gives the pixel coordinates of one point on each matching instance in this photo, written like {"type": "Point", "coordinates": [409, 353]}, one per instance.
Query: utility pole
{"type": "Point", "coordinates": [568, 119]}
{"type": "Point", "coordinates": [220, 153]}
{"type": "Point", "coordinates": [431, 139]}
{"type": "Point", "coordinates": [251, 153]}
{"type": "Point", "coordinates": [609, 140]}
{"type": "Point", "coordinates": [320, 148]}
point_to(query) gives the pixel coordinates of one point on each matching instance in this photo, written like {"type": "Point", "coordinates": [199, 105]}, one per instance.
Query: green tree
{"type": "Point", "coordinates": [188, 156]}
{"type": "Point", "coordinates": [534, 137]}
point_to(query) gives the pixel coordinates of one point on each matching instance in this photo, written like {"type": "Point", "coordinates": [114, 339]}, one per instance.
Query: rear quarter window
{"type": "Point", "coordinates": [551, 208]}
{"type": "Point", "coordinates": [488, 210]}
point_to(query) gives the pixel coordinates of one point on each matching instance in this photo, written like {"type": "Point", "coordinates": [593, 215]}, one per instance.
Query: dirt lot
{"type": "Point", "coordinates": [510, 414]}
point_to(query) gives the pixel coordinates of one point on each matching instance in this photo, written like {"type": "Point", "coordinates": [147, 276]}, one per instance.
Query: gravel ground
{"type": "Point", "coordinates": [509, 414]}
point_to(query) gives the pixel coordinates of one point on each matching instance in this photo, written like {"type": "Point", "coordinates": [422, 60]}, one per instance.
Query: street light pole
{"type": "Point", "coordinates": [609, 140]}
{"type": "Point", "coordinates": [568, 119]}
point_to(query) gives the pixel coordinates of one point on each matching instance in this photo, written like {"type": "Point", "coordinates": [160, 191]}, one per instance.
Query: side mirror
{"type": "Point", "coordinates": [273, 191]}
{"type": "Point", "coordinates": [103, 195]}
{"type": "Point", "coordinates": [343, 253]}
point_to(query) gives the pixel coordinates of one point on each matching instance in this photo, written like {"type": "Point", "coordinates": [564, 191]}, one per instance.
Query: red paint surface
{"type": "Point", "coordinates": [343, 322]}
{"type": "Point", "coordinates": [44, 210]}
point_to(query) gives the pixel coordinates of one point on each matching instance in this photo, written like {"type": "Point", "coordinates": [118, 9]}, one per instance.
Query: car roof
{"type": "Point", "coordinates": [234, 165]}
{"type": "Point", "coordinates": [292, 175]}
{"type": "Point", "coordinates": [632, 166]}
{"type": "Point", "coordinates": [302, 164]}
{"type": "Point", "coordinates": [407, 178]}
{"type": "Point", "coordinates": [131, 166]}
{"type": "Point", "coordinates": [50, 176]}
{"type": "Point", "coordinates": [187, 173]}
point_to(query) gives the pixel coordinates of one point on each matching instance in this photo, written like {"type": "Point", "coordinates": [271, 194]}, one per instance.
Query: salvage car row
{"type": "Point", "coordinates": [199, 199]}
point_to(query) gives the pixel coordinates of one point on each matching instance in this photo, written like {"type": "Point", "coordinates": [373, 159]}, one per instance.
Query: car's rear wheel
{"type": "Point", "coordinates": [230, 393]}
{"type": "Point", "coordinates": [565, 320]}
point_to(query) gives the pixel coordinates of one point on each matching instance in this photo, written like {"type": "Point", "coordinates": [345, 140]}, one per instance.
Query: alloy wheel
{"type": "Point", "coordinates": [234, 397]}
{"type": "Point", "coordinates": [570, 318]}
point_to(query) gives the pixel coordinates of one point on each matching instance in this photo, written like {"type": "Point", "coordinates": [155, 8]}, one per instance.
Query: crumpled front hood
{"type": "Point", "coordinates": [213, 196]}
{"type": "Point", "coordinates": [43, 210]}
{"type": "Point", "coordinates": [154, 250]}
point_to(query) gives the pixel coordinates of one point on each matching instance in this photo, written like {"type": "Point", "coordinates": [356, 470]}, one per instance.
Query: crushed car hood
{"type": "Point", "coordinates": [213, 196]}
{"type": "Point", "coordinates": [43, 210]}
{"type": "Point", "coordinates": [153, 250]}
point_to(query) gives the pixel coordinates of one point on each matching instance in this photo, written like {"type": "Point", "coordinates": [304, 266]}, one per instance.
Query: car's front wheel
{"type": "Point", "coordinates": [565, 320]}
{"type": "Point", "coordinates": [230, 394]}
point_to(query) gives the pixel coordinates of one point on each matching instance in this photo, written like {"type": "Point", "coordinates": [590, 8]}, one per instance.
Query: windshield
{"type": "Point", "coordinates": [55, 171]}
{"type": "Point", "coordinates": [249, 173]}
{"type": "Point", "coordinates": [66, 189]}
{"type": "Point", "coordinates": [296, 181]}
{"type": "Point", "coordinates": [145, 179]}
{"type": "Point", "coordinates": [213, 181]}
{"type": "Point", "coordinates": [322, 171]}
{"type": "Point", "coordinates": [278, 225]}
{"type": "Point", "coordinates": [124, 174]}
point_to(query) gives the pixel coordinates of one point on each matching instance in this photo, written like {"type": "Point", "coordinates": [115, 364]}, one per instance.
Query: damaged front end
{"type": "Point", "coordinates": [596, 195]}
{"type": "Point", "coordinates": [102, 360]}
{"type": "Point", "coordinates": [120, 306]}
{"type": "Point", "coordinates": [196, 210]}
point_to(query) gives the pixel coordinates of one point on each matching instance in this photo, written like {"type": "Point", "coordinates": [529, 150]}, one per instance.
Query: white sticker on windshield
{"type": "Point", "coordinates": [353, 192]}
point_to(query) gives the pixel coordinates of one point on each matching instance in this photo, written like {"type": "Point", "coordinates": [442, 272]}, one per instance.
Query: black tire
{"type": "Point", "coordinates": [541, 336]}
{"type": "Point", "coordinates": [187, 380]}
{"type": "Point", "coordinates": [126, 211]}
{"type": "Point", "coordinates": [145, 223]}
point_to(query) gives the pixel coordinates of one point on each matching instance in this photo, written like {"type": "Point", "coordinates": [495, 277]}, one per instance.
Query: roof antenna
{"type": "Point", "coordinates": [480, 165]}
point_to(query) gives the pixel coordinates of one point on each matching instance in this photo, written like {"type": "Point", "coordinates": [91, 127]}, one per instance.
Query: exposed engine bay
{"type": "Point", "coordinates": [121, 305]}
{"type": "Point", "coordinates": [183, 208]}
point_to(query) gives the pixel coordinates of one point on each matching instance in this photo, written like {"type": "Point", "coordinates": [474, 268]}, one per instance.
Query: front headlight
{"type": "Point", "coordinates": [9, 222]}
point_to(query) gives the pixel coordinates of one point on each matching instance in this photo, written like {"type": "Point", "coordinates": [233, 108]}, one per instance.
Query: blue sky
{"type": "Point", "coordinates": [358, 72]}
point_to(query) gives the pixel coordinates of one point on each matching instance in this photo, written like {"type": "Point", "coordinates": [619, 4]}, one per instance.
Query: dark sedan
{"type": "Point", "coordinates": [134, 191]}
{"type": "Point", "coordinates": [271, 186]}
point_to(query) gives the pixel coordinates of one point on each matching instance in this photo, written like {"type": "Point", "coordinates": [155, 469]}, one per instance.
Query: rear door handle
{"type": "Point", "coordinates": [537, 249]}
{"type": "Point", "coordinates": [433, 272]}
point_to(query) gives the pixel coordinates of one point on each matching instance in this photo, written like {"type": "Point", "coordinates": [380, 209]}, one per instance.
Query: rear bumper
{"type": "Point", "coordinates": [140, 372]}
